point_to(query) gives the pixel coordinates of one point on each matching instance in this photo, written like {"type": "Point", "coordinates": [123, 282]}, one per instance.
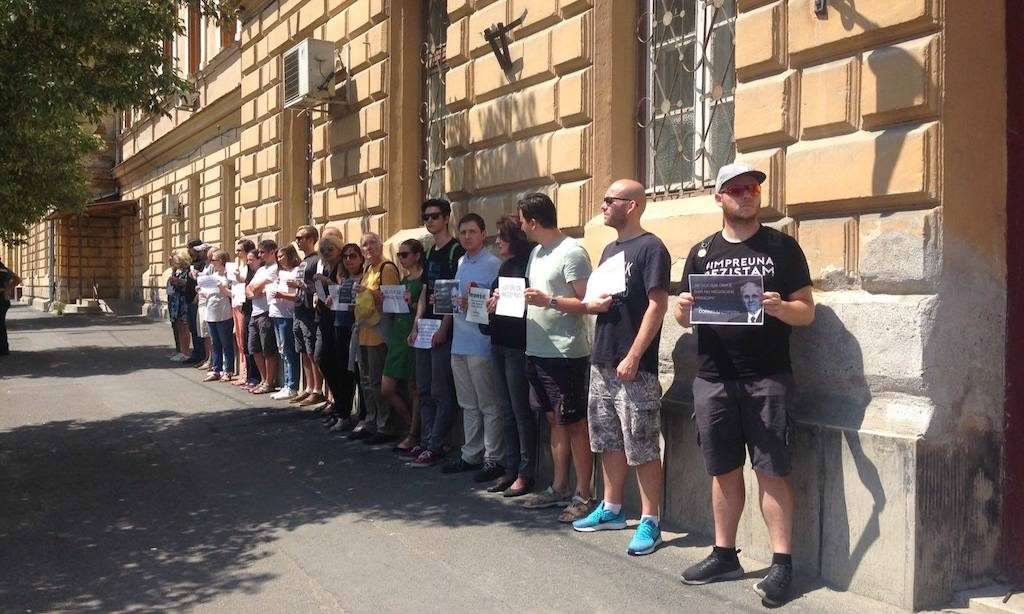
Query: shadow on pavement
{"type": "Point", "coordinates": [164, 510]}
{"type": "Point", "coordinates": [87, 360]}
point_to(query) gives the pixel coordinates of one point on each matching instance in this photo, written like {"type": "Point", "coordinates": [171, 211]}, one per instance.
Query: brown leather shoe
{"type": "Point", "coordinates": [314, 399]}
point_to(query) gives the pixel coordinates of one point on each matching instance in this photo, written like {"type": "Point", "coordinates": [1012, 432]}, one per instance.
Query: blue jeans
{"type": "Point", "coordinates": [436, 386]}
{"type": "Point", "coordinates": [223, 336]}
{"type": "Point", "coordinates": [286, 348]}
{"type": "Point", "coordinates": [520, 419]}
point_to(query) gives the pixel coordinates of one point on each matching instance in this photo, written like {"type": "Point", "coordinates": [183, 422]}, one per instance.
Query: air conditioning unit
{"type": "Point", "coordinates": [171, 205]}
{"type": "Point", "coordinates": [307, 69]}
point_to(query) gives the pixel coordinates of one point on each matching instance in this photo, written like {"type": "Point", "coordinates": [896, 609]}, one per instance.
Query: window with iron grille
{"type": "Point", "coordinates": [433, 110]}
{"type": "Point", "coordinates": [686, 113]}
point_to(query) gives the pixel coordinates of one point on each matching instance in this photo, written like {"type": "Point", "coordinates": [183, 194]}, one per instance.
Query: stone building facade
{"type": "Point", "coordinates": [881, 124]}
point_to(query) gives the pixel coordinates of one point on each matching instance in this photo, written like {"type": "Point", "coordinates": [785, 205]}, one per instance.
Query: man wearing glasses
{"type": "Point", "coordinates": [434, 379]}
{"type": "Point", "coordinates": [744, 381]}
{"type": "Point", "coordinates": [305, 315]}
{"type": "Point", "coordinates": [624, 407]}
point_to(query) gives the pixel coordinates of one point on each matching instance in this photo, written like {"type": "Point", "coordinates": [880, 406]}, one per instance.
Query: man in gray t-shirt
{"type": "Point", "coordinates": [558, 353]}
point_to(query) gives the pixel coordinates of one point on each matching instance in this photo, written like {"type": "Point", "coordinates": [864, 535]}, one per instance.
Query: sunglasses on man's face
{"type": "Point", "coordinates": [429, 217]}
{"type": "Point", "coordinates": [739, 191]}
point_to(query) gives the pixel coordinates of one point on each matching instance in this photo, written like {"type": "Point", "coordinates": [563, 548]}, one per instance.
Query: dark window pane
{"type": "Point", "coordinates": [673, 150]}
{"type": "Point", "coordinates": [673, 18]}
{"type": "Point", "coordinates": [721, 59]}
{"type": "Point", "coordinates": [719, 145]}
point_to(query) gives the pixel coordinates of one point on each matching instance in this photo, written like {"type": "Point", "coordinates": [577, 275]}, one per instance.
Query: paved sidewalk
{"type": "Point", "coordinates": [128, 485]}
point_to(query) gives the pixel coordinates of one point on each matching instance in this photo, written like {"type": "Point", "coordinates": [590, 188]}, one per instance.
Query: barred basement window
{"type": "Point", "coordinates": [433, 110]}
{"type": "Point", "coordinates": [686, 113]}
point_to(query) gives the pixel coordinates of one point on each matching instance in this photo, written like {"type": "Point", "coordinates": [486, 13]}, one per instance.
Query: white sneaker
{"type": "Point", "coordinates": [178, 357]}
{"type": "Point", "coordinates": [284, 393]}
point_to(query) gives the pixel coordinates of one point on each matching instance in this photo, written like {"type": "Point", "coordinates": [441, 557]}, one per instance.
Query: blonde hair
{"type": "Point", "coordinates": [181, 259]}
{"type": "Point", "coordinates": [220, 255]}
{"type": "Point", "coordinates": [331, 240]}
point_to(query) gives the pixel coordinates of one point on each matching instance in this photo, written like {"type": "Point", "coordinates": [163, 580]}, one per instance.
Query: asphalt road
{"type": "Point", "coordinates": [128, 485]}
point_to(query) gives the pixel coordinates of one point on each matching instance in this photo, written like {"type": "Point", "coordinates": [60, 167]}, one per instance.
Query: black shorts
{"type": "Point", "coordinates": [262, 339]}
{"type": "Point", "coordinates": [737, 416]}
{"type": "Point", "coordinates": [305, 332]}
{"type": "Point", "coordinates": [559, 386]}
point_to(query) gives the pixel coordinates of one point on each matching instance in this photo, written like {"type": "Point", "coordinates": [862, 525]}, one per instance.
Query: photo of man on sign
{"type": "Point", "coordinates": [727, 299]}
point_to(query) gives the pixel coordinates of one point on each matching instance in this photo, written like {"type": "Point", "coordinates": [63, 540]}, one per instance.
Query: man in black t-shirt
{"type": "Point", "coordinates": [744, 380]}
{"type": "Point", "coordinates": [304, 325]}
{"type": "Point", "coordinates": [434, 380]}
{"type": "Point", "coordinates": [624, 408]}
{"type": "Point", "coordinates": [197, 250]}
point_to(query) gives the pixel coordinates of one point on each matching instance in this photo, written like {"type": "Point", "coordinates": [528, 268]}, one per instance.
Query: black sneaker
{"type": "Point", "coordinates": [774, 588]}
{"type": "Point", "coordinates": [715, 568]}
{"type": "Point", "coordinates": [489, 472]}
{"type": "Point", "coordinates": [378, 438]}
{"type": "Point", "coordinates": [458, 466]}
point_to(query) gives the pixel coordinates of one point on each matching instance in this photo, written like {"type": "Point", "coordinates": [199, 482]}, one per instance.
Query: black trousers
{"type": "Point", "coordinates": [331, 355]}
{"type": "Point", "coordinates": [4, 306]}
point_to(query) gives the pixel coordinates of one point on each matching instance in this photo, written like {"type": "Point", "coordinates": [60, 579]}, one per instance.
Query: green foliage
{"type": "Point", "coordinates": [64, 64]}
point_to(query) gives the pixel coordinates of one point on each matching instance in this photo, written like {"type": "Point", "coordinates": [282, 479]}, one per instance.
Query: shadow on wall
{"type": "Point", "coordinates": [830, 464]}
{"type": "Point", "coordinates": [165, 511]}
{"type": "Point", "coordinates": [833, 396]}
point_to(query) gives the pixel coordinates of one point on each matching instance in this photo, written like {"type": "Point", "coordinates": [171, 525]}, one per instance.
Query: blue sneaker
{"type": "Point", "coordinates": [600, 520]}
{"type": "Point", "coordinates": [645, 540]}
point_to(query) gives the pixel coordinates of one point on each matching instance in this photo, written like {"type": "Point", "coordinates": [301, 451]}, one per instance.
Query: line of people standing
{"type": "Point", "coordinates": [597, 390]}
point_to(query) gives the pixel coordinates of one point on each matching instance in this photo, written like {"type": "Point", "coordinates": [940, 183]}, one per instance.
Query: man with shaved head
{"type": "Point", "coordinates": [624, 407]}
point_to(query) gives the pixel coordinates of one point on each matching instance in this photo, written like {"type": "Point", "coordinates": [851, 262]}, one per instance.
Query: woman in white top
{"type": "Point", "coordinates": [219, 320]}
{"type": "Point", "coordinates": [282, 314]}
{"type": "Point", "coordinates": [204, 329]}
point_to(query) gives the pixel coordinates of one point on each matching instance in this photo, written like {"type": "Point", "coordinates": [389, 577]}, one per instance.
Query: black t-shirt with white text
{"type": "Point", "coordinates": [648, 267]}
{"type": "Point", "coordinates": [304, 297]}
{"type": "Point", "coordinates": [727, 352]}
{"type": "Point", "coordinates": [441, 263]}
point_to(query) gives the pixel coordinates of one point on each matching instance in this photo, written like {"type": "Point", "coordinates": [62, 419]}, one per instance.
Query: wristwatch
{"type": "Point", "coordinates": [553, 302]}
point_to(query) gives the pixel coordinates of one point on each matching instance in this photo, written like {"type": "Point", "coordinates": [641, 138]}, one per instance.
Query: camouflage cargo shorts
{"type": "Point", "coordinates": [625, 415]}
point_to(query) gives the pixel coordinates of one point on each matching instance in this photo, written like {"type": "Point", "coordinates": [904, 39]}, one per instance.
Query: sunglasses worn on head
{"type": "Point", "coordinates": [738, 191]}
{"type": "Point", "coordinates": [432, 216]}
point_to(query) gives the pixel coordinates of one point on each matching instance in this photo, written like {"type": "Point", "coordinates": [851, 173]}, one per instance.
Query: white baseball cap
{"type": "Point", "coordinates": [731, 171]}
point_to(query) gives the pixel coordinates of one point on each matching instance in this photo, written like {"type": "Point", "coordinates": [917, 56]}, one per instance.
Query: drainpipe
{"type": "Point", "coordinates": [51, 257]}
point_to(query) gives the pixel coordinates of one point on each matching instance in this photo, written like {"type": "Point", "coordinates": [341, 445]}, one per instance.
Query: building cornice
{"type": "Point", "coordinates": [205, 123]}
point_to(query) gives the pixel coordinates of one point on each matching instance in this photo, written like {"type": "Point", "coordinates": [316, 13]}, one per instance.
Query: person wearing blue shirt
{"type": "Point", "coordinates": [475, 379]}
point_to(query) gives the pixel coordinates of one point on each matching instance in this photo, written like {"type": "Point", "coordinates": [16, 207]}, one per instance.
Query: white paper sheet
{"type": "Point", "coordinates": [609, 278]}
{"type": "Point", "coordinates": [237, 295]}
{"type": "Point", "coordinates": [511, 297]}
{"type": "Point", "coordinates": [425, 330]}
{"type": "Point", "coordinates": [208, 282]}
{"type": "Point", "coordinates": [476, 309]}
{"type": "Point", "coordinates": [394, 299]}
{"type": "Point", "coordinates": [321, 288]}
{"type": "Point", "coordinates": [336, 305]}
